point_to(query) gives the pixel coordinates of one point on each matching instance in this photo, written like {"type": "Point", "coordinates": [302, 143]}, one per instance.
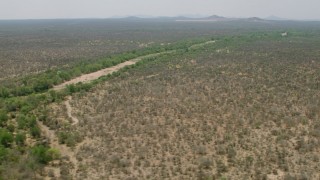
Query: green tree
{"type": "Point", "coordinates": [40, 154]}
{"type": "Point", "coordinates": [44, 154]}
{"type": "Point", "coordinates": [42, 85]}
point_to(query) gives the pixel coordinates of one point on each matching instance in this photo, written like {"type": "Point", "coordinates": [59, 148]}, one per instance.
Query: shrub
{"type": "Point", "coordinates": [71, 88]}
{"type": "Point", "coordinates": [3, 153]}
{"type": "Point", "coordinates": [205, 163]}
{"type": "Point", "coordinates": [44, 154]}
{"type": "Point", "coordinates": [62, 136]}
{"type": "Point", "coordinates": [11, 127]}
{"type": "Point", "coordinates": [4, 92]}
{"type": "Point", "coordinates": [64, 75]}
{"type": "Point", "coordinates": [221, 167]}
{"type": "Point", "coordinates": [13, 104]}
{"type": "Point", "coordinates": [26, 121]}
{"type": "Point", "coordinates": [69, 138]}
{"type": "Point", "coordinates": [42, 85]}
{"type": "Point", "coordinates": [20, 139]}
{"type": "Point", "coordinates": [52, 97]}
{"type": "Point", "coordinates": [53, 153]}
{"type": "Point", "coordinates": [26, 108]}
{"type": "Point", "coordinates": [3, 117]}
{"type": "Point", "coordinates": [22, 91]}
{"type": "Point", "coordinates": [22, 122]}
{"type": "Point", "coordinates": [6, 138]}
{"type": "Point", "coordinates": [35, 131]}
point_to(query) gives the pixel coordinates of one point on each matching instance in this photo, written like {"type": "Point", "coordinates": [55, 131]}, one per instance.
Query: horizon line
{"type": "Point", "coordinates": [272, 17]}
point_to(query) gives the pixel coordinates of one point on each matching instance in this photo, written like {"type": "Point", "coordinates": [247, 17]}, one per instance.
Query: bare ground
{"type": "Point", "coordinates": [75, 120]}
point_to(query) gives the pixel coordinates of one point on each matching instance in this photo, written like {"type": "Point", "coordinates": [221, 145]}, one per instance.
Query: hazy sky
{"type": "Point", "coordinates": [43, 9]}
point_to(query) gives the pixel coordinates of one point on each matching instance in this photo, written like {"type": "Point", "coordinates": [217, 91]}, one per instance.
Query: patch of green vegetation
{"type": "Point", "coordinates": [43, 154]}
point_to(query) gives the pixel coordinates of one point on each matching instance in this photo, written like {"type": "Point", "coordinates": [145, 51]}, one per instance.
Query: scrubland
{"type": "Point", "coordinates": [38, 45]}
{"type": "Point", "coordinates": [245, 111]}
{"type": "Point", "coordinates": [244, 106]}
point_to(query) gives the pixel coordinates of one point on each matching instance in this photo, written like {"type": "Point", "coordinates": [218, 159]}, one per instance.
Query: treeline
{"type": "Point", "coordinates": [43, 81]}
{"type": "Point", "coordinates": [18, 121]}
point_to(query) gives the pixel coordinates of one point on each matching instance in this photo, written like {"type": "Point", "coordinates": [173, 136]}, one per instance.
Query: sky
{"type": "Point", "coordinates": [53, 9]}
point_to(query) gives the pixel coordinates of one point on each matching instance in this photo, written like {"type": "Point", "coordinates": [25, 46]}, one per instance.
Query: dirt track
{"type": "Point", "coordinates": [75, 120]}
{"type": "Point", "coordinates": [63, 149]}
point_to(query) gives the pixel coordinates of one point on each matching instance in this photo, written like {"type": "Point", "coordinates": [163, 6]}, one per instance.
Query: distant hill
{"type": "Point", "coordinates": [209, 18]}
{"type": "Point", "coordinates": [133, 17]}
{"type": "Point", "coordinates": [254, 19]}
{"type": "Point", "coordinates": [275, 18]}
{"type": "Point", "coordinates": [213, 18]}
{"type": "Point", "coordinates": [220, 18]}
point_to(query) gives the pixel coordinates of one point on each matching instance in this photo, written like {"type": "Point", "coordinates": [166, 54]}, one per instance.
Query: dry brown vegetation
{"type": "Point", "coordinates": [37, 45]}
{"type": "Point", "coordinates": [250, 112]}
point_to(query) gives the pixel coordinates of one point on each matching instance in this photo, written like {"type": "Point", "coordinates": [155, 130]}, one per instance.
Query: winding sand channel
{"type": "Point", "coordinates": [95, 75]}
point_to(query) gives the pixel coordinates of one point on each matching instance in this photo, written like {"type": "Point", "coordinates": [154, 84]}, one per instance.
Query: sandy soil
{"type": "Point", "coordinates": [75, 120]}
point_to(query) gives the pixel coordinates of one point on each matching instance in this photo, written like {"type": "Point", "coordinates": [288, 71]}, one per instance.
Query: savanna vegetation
{"type": "Point", "coordinates": [243, 107]}
{"type": "Point", "coordinates": [33, 46]}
